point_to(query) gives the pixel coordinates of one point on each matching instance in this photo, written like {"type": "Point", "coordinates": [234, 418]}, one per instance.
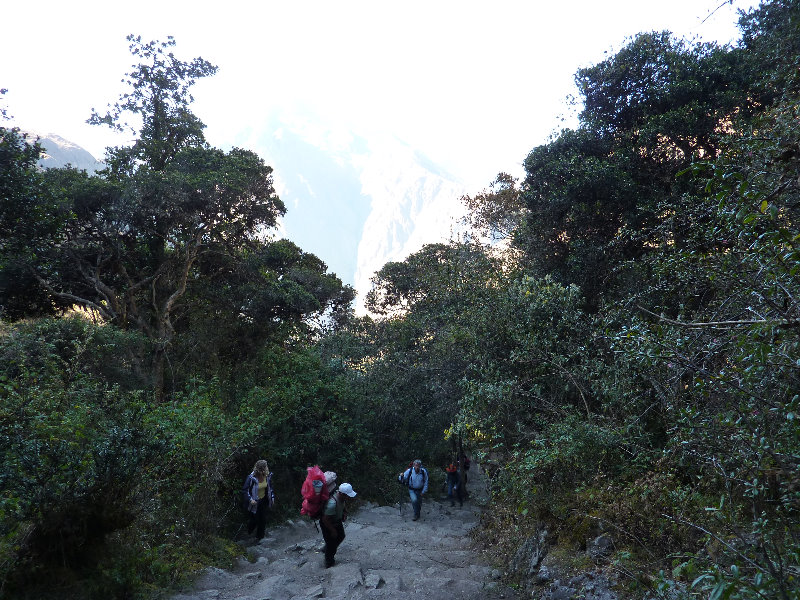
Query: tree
{"type": "Point", "coordinates": [26, 223]}
{"type": "Point", "coordinates": [595, 197]}
{"type": "Point", "coordinates": [671, 99]}
{"type": "Point", "coordinates": [128, 243]}
{"type": "Point", "coordinates": [496, 214]}
{"type": "Point", "coordinates": [241, 300]}
{"type": "Point", "coordinates": [159, 99]}
{"type": "Point", "coordinates": [770, 35]}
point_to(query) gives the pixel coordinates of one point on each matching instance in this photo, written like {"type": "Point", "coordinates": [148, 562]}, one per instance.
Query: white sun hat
{"type": "Point", "coordinates": [347, 490]}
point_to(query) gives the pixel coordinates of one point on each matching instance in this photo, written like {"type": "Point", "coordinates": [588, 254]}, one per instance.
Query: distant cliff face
{"type": "Point", "coordinates": [412, 204]}
{"type": "Point", "coordinates": [59, 152]}
{"type": "Point", "coordinates": [358, 203]}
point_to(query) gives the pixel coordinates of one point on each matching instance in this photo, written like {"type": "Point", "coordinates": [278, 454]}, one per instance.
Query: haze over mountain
{"type": "Point", "coordinates": [60, 152]}
{"type": "Point", "coordinates": [356, 204]}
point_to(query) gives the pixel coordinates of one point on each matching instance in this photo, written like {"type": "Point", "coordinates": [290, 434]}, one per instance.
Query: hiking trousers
{"type": "Point", "coordinates": [258, 521]}
{"type": "Point", "coordinates": [454, 491]}
{"type": "Point", "coordinates": [332, 542]}
{"type": "Point", "coordinates": [416, 501]}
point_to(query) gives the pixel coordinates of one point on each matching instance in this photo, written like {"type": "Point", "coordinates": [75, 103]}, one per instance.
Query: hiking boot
{"type": "Point", "coordinates": [415, 518]}
{"type": "Point", "coordinates": [329, 563]}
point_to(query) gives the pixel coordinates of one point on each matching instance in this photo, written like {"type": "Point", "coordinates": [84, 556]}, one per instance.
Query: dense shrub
{"type": "Point", "coordinates": [72, 446]}
{"type": "Point", "coordinates": [104, 490]}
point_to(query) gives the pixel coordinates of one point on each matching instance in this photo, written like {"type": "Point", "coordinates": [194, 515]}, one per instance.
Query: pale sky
{"type": "Point", "coordinates": [472, 85]}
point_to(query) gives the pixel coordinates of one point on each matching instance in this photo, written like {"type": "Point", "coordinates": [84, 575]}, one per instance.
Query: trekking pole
{"type": "Point", "coordinates": [400, 503]}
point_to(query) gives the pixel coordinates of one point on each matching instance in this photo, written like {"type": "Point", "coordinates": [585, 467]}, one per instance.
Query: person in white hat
{"type": "Point", "coordinates": [332, 521]}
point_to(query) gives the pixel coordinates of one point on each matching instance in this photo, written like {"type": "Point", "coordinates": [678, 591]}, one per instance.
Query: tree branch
{"type": "Point", "coordinates": [76, 299]}
{"type": "Point", "coordinates": [786, 324]}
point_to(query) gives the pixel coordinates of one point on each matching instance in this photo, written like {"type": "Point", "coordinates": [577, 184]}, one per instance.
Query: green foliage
{"type": "Point", "coordinates": [72, 445]}
{"type": "Point", "coordinates": [496, 214]}
{"type": "Point", "coordinates": [538, 373]}
{"type": "Point", "coordinates": [666, 95]}
{"type": "Point", "coordinates": [673, 207]}
{"type": "Point", "coordinates": [159, 98]}
{"type": "Point", "coordinates": [770, 36]}
{"type": "Point", "coordinates": [23, 208]}
{"type": "Point", "coordinates": [137, 493]}
{"type": "Point", "coordinates": [564, 454]}
{"type": "Point", "coordinates": [169, 240]}
{"type": "Point", "coordinates": [597, 196]}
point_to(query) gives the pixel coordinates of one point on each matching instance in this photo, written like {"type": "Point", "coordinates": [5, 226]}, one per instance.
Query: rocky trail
{"type": "Point", "coordinates": [384, 555]}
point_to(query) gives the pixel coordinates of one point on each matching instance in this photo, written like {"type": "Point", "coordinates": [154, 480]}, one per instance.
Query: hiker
{"type": "Point", "coordinates": [332, 521]}
{"type": "Point", "coordinates": [261, 497]}
{"type": "Point", "coordinates": [416, 478]}
{"type": "Point", "coordinates": [454, 485]}
{"type": "Point", "coordinates": [463, 468]}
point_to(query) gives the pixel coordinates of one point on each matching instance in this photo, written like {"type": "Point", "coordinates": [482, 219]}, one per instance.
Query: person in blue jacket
{"type": "Point", "coordinates": [416, 478]}
{"type": "Point", "coordinates": [261, 497]}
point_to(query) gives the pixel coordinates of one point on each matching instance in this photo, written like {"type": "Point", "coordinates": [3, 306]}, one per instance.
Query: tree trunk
{"type": "Point", "coordinates": [159, 357]}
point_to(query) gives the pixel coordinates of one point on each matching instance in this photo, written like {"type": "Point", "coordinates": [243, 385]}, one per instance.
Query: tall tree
{"type": "Point", "coordinates": [595, 196]}
{"type": "Point", "coordinates": [26, 223]}
{"type": "Point", "coordinates": [129, 242]}
{"type": "Point", "coordinates": [159, 100]}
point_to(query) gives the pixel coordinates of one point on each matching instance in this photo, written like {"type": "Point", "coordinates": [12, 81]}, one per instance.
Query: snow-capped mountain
{"type": "Point", "coordinates": [412, 204]}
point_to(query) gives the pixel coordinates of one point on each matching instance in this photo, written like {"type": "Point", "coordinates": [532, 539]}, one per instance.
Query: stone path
{"type": "Point", "coordinates": [384, 555]}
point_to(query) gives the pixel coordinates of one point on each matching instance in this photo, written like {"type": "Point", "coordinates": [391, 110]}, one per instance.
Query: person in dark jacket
{"type": "Point", "coordinates": [261, 497]}
{"type": "Point", "coordinates": [332, 521]}
{"type": "Point", "coordinates": [454, 485]}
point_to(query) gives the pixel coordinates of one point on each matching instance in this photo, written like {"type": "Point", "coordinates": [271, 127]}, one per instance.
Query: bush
{"type": "Point", "coordinates": [72, 448]}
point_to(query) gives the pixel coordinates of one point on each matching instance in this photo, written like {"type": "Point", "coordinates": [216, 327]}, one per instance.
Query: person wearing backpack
{"type": "Point", "coordinates": [454, 485]}
{"type": "Point", "coordinates": [332, 521]}
{"type": "Point", "coordinates": [416, 478]}
{"type": "Point", "coordinates": [259, 497]}
{"type": "Point", "coordinates": [463, 468]}
{"type": "Point", "coordinates": [315, 492]}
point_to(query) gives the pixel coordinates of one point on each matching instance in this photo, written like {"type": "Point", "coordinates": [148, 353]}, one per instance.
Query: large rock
{"type": "Point", "coordinates": [529, 556]}
{"type": "Point", "coordinates": [600, 547]}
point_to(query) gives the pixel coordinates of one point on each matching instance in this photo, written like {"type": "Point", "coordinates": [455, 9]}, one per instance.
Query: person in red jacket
{"type": "Point", "coordinates": [454, 485]}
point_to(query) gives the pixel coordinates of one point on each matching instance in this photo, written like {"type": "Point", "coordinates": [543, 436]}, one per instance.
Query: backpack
{"type": "Point", "coordinates": [315, 493]}
{"type": "Point", "coordinates": [407, 482]}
